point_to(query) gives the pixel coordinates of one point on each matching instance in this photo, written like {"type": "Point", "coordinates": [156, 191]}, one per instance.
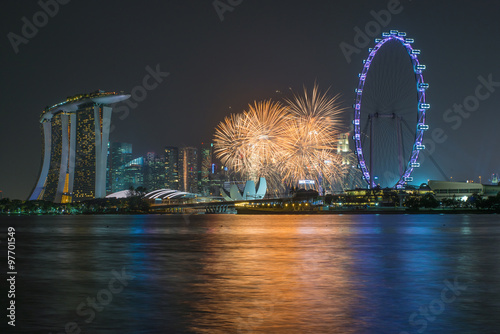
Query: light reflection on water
{"type": "Point", "coordinates": [258, 274]}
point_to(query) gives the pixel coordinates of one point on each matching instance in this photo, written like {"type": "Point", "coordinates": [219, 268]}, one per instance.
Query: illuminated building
{"type": "Point", "coordinates": [343, 148]}
{"type": "Point", "coordinates": [460, 190]}
{"type": "Point", "coordinates": [351, 176]}
{"type": "Point", "coordinates": [205, 168]}
{"type": "Point", "coordinates": [119, 154]}
{"type": "Point", "coordinates": [219, 176]}
{"type": "Point", "coordinates": [158, 196]}
{"type": "Point", "coordinates": [133, 173]}
{"type": "Point", "coordinates": [75, 134]}
{"type": "Point", "coordinates": [154, 171]}
{"type": "Point", "coordinates": [448, 189]}
{"type": "Point", "coordinates": [189, 169]}
{"type": "Point", "coordinates": [171, 167]}
{"type": "Point", "coordinates": [250, 190]}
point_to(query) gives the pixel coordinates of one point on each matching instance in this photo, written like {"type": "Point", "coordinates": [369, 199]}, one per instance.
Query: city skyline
{"type": "Point", "coordinates": [194, 170]}
{"type": "Point", "coordinates": [259, 50]}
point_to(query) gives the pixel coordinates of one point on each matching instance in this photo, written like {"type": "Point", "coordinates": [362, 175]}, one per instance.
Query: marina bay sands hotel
{"type": "Point", "coordinates": [75, 137]}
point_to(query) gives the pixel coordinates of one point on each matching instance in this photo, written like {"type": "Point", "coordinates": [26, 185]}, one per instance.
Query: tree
{"type": "Point", "coordinates": [328, 199]}
{"type": "Point", "coordinates": [476, 200]}
{"type": "Point", "coordinates": [131, 192]}
{"type": "Point", "coordinates": [413, 202]}
{"type": "Point", "coordinates": [140, 191]}
{"type": "Point", "coordinates": [429, 201]}
{"type": "Point", "coordinates": [426, 201]}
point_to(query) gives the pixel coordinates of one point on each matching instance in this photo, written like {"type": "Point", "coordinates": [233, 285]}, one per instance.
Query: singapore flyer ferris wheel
{"type": "Point", "coordinates": [389, 112]}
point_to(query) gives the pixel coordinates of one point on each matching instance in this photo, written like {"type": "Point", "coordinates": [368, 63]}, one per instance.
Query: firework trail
{"type": "Point", "coordinates": [284, 143]}
{"type": "Point", "coordinates": [312, 138]}
{"type": "Point", "coordinates": [250, 142]}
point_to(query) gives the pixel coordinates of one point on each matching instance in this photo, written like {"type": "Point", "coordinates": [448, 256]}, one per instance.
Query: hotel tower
{"type": "Point", "coordinates": [75, 137]}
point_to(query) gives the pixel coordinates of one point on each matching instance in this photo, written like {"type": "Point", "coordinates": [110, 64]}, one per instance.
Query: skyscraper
{"type": "Point", "coordinates": [119, 154]}
{"type": "Point", "coordinates": [172, 168]}
{"type": "Point", "coordinates": [205, 168]}
{"type": "Point", "coordinates": [189, 169]}
{"type": "Point", "coordinates": [343, 149]}
{"type": "Point", "coordinates": [133, 173]}
{"type": "Point", "coordinates": [75, 133]}
{"type": "Point", "coordinates": [351, 177]}
{"type": "Point", "coordinates": [154, 171]}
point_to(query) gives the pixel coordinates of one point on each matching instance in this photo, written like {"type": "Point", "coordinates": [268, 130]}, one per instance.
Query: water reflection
{"type": "Point", "coordinates": [268, 278]}
{"type": "Point", "coordinates": [259, 274]}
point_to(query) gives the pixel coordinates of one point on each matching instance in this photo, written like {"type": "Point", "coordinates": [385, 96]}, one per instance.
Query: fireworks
{"type": "Point", "coordinates": [312, 137]}
{"type": "Point", "coordinates": [283, 143]}
{"type": "Point", "coordinates": [249, 143]}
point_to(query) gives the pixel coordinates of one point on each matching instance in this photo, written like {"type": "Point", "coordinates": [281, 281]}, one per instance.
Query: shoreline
{"type": "Point", "coordinates": [246, 211]}
{"type": "Point", "coordinates": [251, 211]}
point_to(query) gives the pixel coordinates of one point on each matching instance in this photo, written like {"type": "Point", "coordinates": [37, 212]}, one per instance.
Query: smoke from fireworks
{"type": "Point", "coordinates": [284, 143]}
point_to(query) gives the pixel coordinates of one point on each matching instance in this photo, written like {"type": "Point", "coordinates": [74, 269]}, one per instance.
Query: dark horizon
{"type": "Point", "coordinates": [216, 67]}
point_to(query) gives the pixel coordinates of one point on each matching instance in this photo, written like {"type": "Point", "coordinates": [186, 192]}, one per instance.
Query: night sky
{"type": "Point", "coordinates": [218, 67]}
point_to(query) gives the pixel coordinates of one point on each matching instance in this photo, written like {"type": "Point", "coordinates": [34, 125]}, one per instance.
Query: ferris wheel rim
{"type": "Point", "coordinates": [422, 107]}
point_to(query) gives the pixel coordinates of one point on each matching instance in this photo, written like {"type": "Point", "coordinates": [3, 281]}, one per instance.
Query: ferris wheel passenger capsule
{"type": "Point", "coordinates": [425, 106]}
{"type": "Point", "coordinates": [415, 165]}
{"type": "Point", "coordinates": [401, 34]}
{"type": "Point", "coordinates": [423, 127]}
{"type": "Point", "coordinates": [420, 147]}
{"type": "Point", "coordinates": [386, 34]}
{"type": "Point", "coordinates": [408, 179]}
{"type": "Point", "coordinates": [409, 40]}
{"type": "Point", "coordinates": [415, 52]}
{"type": "Point", "coordinates": [423, 86]}
{"type": "Point", "coordinates": [394, 32]}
